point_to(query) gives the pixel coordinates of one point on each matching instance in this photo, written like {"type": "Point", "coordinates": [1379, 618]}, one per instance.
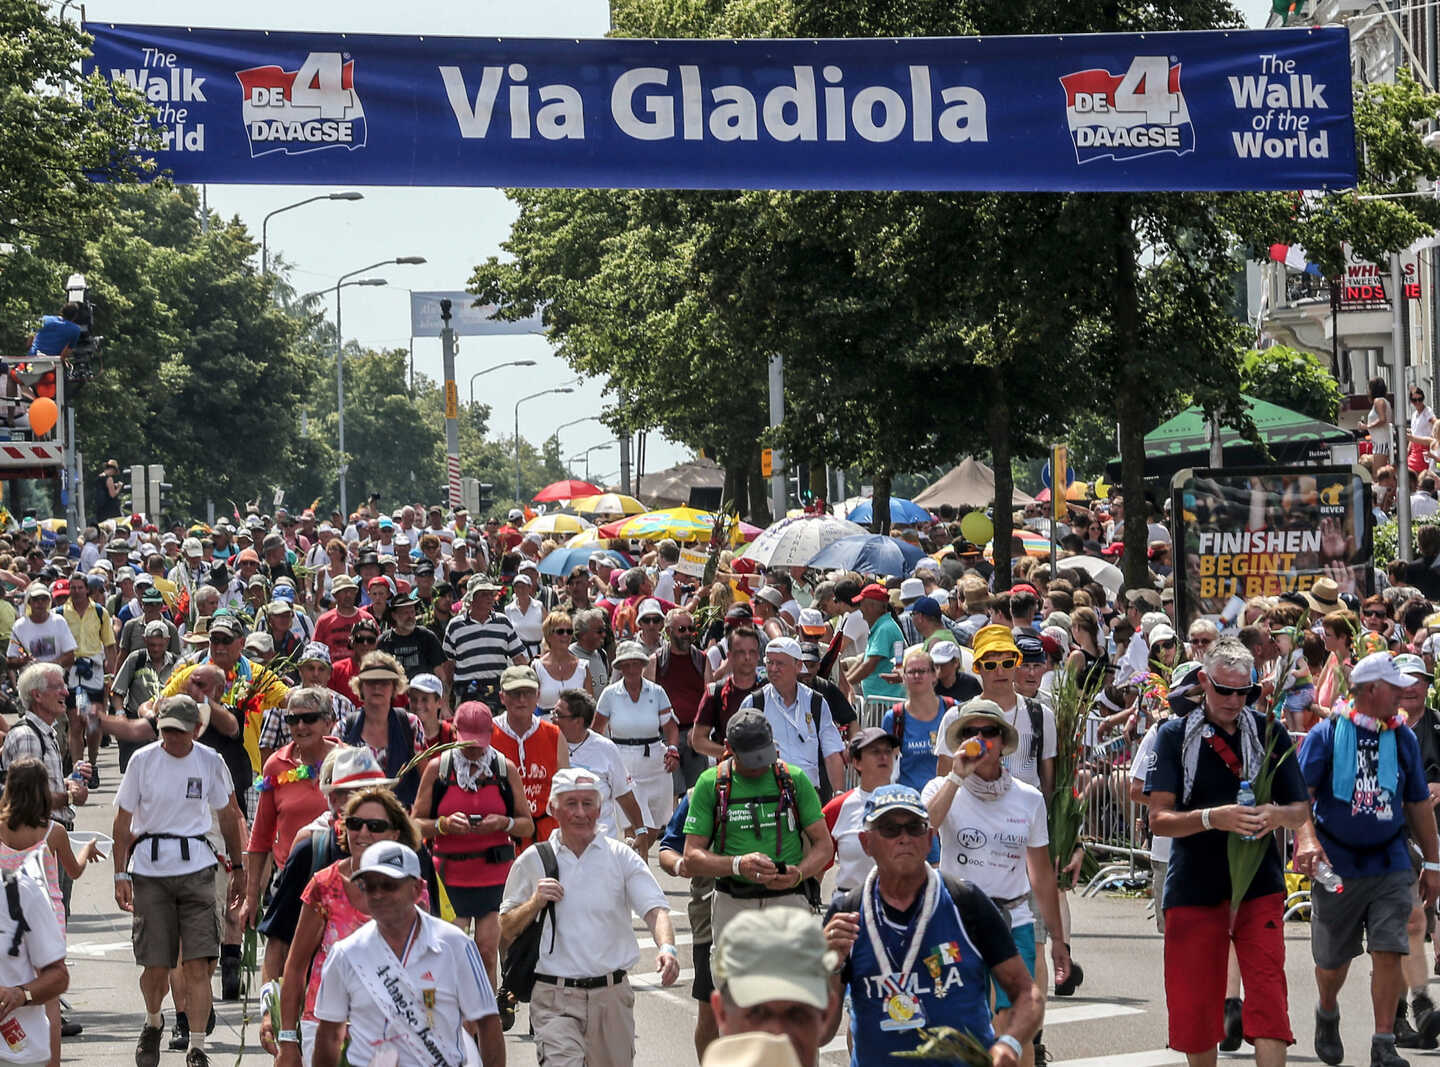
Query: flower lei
{"type": "Point", "coordinates": [266, 782]}
{"type": "Point", "coordinates": [1346, 710]}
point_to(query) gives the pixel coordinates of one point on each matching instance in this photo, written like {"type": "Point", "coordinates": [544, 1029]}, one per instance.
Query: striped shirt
{"type": "Point", "coordinates": [39, 740]}
{"type": "Point", "coordinates": [481, 649]}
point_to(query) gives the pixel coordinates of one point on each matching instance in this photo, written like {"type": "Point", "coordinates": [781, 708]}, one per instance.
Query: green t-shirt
{"type": "Point", "coordinates": [751, 820]}
{"type": "Point", "coordinates": [883, 636]}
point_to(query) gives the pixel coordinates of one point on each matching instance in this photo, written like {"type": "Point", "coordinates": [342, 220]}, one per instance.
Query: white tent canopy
{"type": "Point", "coordinates": [969, 484]}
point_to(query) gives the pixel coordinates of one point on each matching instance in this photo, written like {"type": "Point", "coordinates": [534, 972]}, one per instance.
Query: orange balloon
{"type": "Point", "coordinates": [43, 415]}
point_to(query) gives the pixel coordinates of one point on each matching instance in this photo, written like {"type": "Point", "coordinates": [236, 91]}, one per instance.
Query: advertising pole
{"type": "Point", "coordinates": [777, 416]}
{"type": "Point", "coordinates": [452, 406]}
{"type": "Point", "coordinates": [1397, 405]}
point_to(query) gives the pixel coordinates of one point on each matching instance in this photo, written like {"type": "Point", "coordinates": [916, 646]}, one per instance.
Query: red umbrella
{"type": "Point", "coordinates": [569, 489]}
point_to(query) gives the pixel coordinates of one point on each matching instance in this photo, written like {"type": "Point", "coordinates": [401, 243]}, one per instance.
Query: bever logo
{"type": "Point", "coordinates": [1125, 116]}
{"type": "Point", "coordinates": [304, 110]}
{"type": "Point", "coordinates": [1330, 497]}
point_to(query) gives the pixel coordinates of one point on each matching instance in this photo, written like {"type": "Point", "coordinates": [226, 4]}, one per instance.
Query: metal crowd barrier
{"type": "Point", "coordinates": [1115, 828]}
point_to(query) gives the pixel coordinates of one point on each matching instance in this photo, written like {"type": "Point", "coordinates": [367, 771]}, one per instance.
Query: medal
{"type": "Point", "coordinates": [428, 995]}
{"type": "Point", "coordinates": [903, 1013]}
{"type": "Point", "coordinates": [932, 964]}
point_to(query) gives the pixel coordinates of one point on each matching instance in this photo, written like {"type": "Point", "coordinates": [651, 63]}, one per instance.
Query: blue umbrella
{"type": "Point", "coordinates": [902, 512]}
{"type": "Point", "coordinates": [563, 560]}
{"type": "Point", "coordinates": [869, 554]}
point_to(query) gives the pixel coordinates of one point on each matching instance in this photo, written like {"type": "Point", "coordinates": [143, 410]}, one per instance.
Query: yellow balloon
{"type": "Point", "coordinates": [977, 527]}
{"type": "Point", "coordinates": [43, 415]}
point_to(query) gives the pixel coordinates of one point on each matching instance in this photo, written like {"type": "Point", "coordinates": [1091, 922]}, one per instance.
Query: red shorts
{"type": "Point", "coordinates": [1197, 948]}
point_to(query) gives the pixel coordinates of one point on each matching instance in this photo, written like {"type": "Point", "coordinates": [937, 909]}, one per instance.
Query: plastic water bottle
{"type": "Point", "coordinates": [1326, 877]}
{"type": "Point", "coordinates": [1246, 799]}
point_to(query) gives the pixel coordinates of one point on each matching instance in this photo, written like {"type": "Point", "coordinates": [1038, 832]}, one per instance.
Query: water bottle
{"type": "Point", "coordinates": [1246, 799]}
{"type": "Point", "coordinates": [1326, 878]}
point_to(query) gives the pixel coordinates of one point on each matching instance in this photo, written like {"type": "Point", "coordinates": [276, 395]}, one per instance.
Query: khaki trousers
{"type": "Point", "coordinates": [725, 907]}
{"type": "Point", "coordinates": [584, 1027]}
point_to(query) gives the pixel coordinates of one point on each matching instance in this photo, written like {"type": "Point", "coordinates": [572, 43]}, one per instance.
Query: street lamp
{"type": "Point", "coordinates": [586, 455]}
{"type": "Point", "coordinates": [265, 222]}
{"type": "Point", "coordinates": [574, 422]}
{"type": "Point", "coordinates": [532, 396]}
{"type": "Point", "coordinates": [487, 370]}
{"type": "Point", "coordinates": [340, 363]}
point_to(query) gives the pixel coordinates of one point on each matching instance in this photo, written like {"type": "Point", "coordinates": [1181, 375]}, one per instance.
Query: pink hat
{"type": "Point", "coordinates": [473, 723]}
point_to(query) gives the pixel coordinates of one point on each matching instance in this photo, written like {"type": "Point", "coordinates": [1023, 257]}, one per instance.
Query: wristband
{"type": "Point", "coordinates": [440, 830]}
{"type": "Point", "coordinates": [1431, 866]}
{"type": "Point", "coordinates": [1010, 1043]}
{"type": "Point", "coordinates": [670, 950]}
{"type": "Point", "coordinates": [1205, 818]}
{"type": "Point", "coordinates": [122, 877]}
{"type": "Point", "coordinates": [735, 866]}
{"type": "Point", "coordinates": [509, 824]}
{"type": "Point", "coordinates": [291, 1037]}
{"type": "Point", "coordinates": [955, 778]}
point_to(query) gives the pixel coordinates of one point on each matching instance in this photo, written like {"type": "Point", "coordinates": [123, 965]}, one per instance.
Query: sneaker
{"type": "Point", "coordinates": [1405, 1035]}
{"type": "Point", "coordinates": [210, 1022]}
{"type": "Point", "coordinates": [180, 1033]}
{"type": "Point", "coordinates": [507, 1006]}
{"type": "Point", "coordinates": [1042, 1054]}
{"type": "Point", "coordinates": [1328, 1045]}
{"type": "Point", "coordinates": [197, 1058]}
{"type": "Point", "coordinates": [1234, 1024]}
{"type": "Point", "coordinates": [147, 1050]}
{"type": "Point", "coordinates": [1383, 1054]}
{"type": "Point", "coordinates": [230, 978]}
{"type": "Point", "coordinates": [1427, 1022]}
{"type": "Point", "coordinates": [94, 782]}
{"type": "Point", "coordinates": [69, 1027]}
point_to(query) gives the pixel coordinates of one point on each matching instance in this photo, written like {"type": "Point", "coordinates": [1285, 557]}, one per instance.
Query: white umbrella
{"type": "Point", "coordinates": [794, 542]}
{"type": "Point", "coordinates": [1107, 574]}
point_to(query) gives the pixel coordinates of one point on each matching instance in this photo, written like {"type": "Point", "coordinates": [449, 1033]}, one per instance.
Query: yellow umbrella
{"type": "Point", "coordinates": [607, 504]}
{"type": "Point", "coordinates": [556, 523]}
{"type": "Point", "coordinates": [680, 524]}
{"type": "Point", "coordinates": [586, 537]}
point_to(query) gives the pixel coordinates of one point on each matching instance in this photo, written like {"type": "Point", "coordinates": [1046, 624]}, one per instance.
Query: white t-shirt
{"type": "Point", "coordinates": [442, 972]}
{"type": "Point", "coordinates": [1021, 763]}
{"type": "Point", "coordinates": [173, 796]}
{"type": "Point", "coordinates": [857, 633]}
{"type": "Point", "coordinates": [42, 945]}
{"type": "Point", "coordinates": [634, 718]}
{"type": "Point", "coordinates": [984, 841]}
{"type": "Point", "coordinates": [45, 641]}
{"type": "Point", "coordinates": [852, 864]}
{"type": "Point", "coordinates": [526, 623]}
{"type": "Point", "coordinates": [665, 585]}
{"type": "Point", "coordinates": [601, 757]}
{"type": "Point", "coordinates": [1422, 423]}
{"type": "Point", "coordinates": [1140, 769]}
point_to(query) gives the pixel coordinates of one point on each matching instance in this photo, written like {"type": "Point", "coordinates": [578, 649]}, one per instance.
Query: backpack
{"type": "Point", "coordinates": [756, 702]}
{"type": "Point", "coordinates": [446, 776]}
{"type": "Point", "coordinates": [324, 849]}
{"type": "Point", "coordinates": [28, 725]}
{"type": "Point", "coordinates": [1037, 727]}
{"type": "Point", "coordinates": [517, 973]}
{"type": "Point", "coordinates": [785, 798]}
{"type": "Point", "coordinates": [897, 723]}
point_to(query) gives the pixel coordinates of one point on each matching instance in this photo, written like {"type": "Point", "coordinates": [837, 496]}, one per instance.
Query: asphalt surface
{"type": "Point", "coordinates": [1116, 1019]}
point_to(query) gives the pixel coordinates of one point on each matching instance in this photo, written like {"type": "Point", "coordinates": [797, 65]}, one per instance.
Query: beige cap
{"type": "Point", "coordinates": [519, 676]}
{"type": "Point", "coordinates": [981, 710]}
{"type": "Point", "coordinates": [752, 1049]}
{"type": "Point", "coordinates": [776, 954]}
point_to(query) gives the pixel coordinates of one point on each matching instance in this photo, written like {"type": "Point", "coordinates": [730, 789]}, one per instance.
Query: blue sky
{"type": "Point", "coordinates": [452, 228]}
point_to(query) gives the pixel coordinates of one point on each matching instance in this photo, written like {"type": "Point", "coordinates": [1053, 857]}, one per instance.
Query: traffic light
{"type": "Point", "coordinates": [486, 499]}
{"type": "Point", "coordinates": [156, 488]}
{"type": "Point", "coordinates": [137, 490]}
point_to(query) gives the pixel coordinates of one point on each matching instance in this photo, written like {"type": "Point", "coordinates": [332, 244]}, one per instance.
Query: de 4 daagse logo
{"type": "Point", "coordinates": [312, 107]}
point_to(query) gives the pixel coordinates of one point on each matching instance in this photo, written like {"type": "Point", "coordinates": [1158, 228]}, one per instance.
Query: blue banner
{"type": "Point", "coordinates": [467, 318]}
{"type": "Point", "coordinates": [1257, 109]}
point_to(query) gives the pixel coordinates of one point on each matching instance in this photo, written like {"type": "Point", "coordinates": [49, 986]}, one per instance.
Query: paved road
{"type": "Point", "coordinates": [1116, 1020]}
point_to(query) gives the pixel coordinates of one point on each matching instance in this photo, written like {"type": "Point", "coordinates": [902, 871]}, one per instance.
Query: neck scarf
{"type": "Point", "coordinates": [1195, 727]}
{"type": "Point", "coordinates": [989, 791]}
{"type": "Point", "coordinates": [1345, 756]}
{"type": "Point", "coordinates": [468, 772]}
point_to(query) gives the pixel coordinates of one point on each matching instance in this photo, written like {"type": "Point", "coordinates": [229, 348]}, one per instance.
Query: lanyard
{"type": "Point", "coordinates": [785, 712]}
{"type": "Point", "coordinates": [871, 895]}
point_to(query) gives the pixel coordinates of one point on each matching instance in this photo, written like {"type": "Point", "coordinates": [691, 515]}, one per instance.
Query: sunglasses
{"type": "Point", "coordinates": [987, 731]}
{"type": "Point", "coordinates": [1417, 400]}
{"type": "Point", "coordinates": [221, 639]}
{"type": "Point", "coordinates": [1372, 613]}
{"type": "Point", "coordinates": [1004, 663]}
{"type": "Point", "coordinates": [309, 718]}
{"type": "Point", "coordinates": [1163, 646]}
{"type": "Point", "coordinates": [379, 886]}
{"type": "Point", "coordinates": [375, 826]}
{"type": "Point", "coordinates": [363, 641]}
{"type": "Point", "coordinates": [561, 630]}
{"type": "Point", "coordinates": [1231, 690]}
{"type": "Point", "coordinates": [893, 828]}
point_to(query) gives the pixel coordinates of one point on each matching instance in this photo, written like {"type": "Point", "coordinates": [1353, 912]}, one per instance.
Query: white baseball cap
{"type": "Point", "coordinates": [390, 858]}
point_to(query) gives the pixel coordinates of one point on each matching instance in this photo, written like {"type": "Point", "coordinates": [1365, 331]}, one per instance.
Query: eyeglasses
{"type": "Point", "coordinates": [309, 718]}
{"type": "Point", "coordinates": [1004, 663]}
{"type": "Point", "coordinates": [1417, 400]}
{"type": "Point", "coordinates": [375, 826]}
{"type": "Point", "coordinates": [562, 630]}
{"type": "Point", "coordinates": [893, 828]}
{"type": "Point", "coordinates": [653, 620]}
{"type": "Point", "coordinates": [682, 629]}
{"type": "Point", "coordinates": [987, 731]}
{"type": "Point", "coordinates": [1375, 613]}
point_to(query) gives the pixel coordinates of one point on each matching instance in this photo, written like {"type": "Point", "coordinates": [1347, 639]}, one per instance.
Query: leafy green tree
{"type": "Point", "coordinates": [1292, 378]}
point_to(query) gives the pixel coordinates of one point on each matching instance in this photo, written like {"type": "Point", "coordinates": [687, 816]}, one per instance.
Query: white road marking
{"type": "Point", "coordinates": [1155, 1058]}
{"type": "Point", "coordinates": [1075, 1013]}
{"type": "Point", "coordinates": [95, 948]}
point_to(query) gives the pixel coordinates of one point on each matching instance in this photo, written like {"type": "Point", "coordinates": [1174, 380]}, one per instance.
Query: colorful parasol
{"type": "Point", "coordinates": [608, 504]}
{"type": "Point", "coordinates": [557, 523]}
{"type": "Point", "coordinates": [569, 489]}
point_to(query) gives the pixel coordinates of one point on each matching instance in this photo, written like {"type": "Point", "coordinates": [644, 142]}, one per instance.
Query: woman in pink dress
{"type": "Point", "coordinates": [30, 838]}
{"type": "Point", "coordinates": [333, 910]}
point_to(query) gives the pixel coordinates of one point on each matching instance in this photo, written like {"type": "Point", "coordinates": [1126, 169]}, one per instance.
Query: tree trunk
{"type": "Point", "coordinates": [998, 425]}
{"type": "Point", "coordinates": [759, 491]}
{"type": "Point", "coordinates": [880, 503]}
{"type": "Point", "coordinates": [1131, 407]}
{"type": "Point", "coordinates": [818, 489]}
{"type": "Point", "coordinates": [736, 490]}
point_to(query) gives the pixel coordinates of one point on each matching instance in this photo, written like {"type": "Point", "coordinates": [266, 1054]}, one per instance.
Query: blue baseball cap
{"type": "Point", "coordinates": [892, 798]}
{"type": "Point", "coordinates": [284, 592]}
{"type": "Point", "coordinates": [926, 605]}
